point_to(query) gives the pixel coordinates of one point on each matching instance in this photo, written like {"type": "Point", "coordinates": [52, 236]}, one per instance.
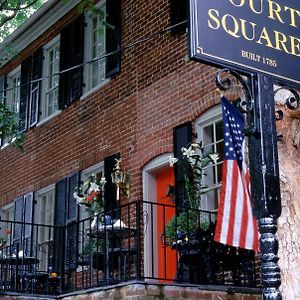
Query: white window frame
{"type": "Point", "coordinates": [97, 168]}
{"type": "Point", "coordinates": [87, 71]}
{"type": "Point", "coordinates": [212, 116]}
{"type": "Point", "coordinates": [39, 218]}
{"type": "Point", "coordinates": [43, 105]}
{"type": "Point", "coordinates": [10, 93]}
{"type": "Point", "coordinates": [6, 226]}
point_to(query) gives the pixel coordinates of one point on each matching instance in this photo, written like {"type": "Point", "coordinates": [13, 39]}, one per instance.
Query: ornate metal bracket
{"type": "Point", "coordinates": [225, 80]}
{"type": "Point", "coordinates": [293, 101]}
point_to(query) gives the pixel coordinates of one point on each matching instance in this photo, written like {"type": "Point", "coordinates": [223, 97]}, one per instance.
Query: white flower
{"type": "Point", "coordinates": [192, 161]}
{"type": "Point", "coordinates": [172, 161]}
{"type": "Point", "coordinates": [78, 198]}
{"type": "Point", "coordinates": [102, 181]}
{"type": "Point", "coordinates": [188, 152]}
{"type": "Point", "coordinates": [214, 157]}
{"type": "Point", "coordinates": [93, 187]}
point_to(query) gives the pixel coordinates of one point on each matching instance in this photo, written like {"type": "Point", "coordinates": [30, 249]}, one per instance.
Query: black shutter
{"type": "Point", "coordinates": [28, 209]}
{"type": "Point", "coordinates": [110, 191]}
{"type": "Point", "coordinates": [35, 90]}
{"type": "Point", "coordinates": [71, 224]}
{"type": "Point", "coordinates": [3, 84]}
{"type": "Point", "coordinates": [18, 217]}
{"type": "Point", "coordinates": [25, 92]}
{"type": "Point", "coordinates": [71, 54]}
{"type": "Point", "coordinates": [113, 37]}
{"type": "Point", "coordinates": [64, 63]}
{"type": "Point", "coordinates": [179, 13]}
{"type": "Point", "coordinates": [72, 204]}
{"type": "Point", "coordinates": [3, 88]}
{"type": "Point", "coordinates": [28, 228]}
{"type": "Point", "coordinates": [59, 220]}
{"type": "Point", "coordinates": [182, 136]}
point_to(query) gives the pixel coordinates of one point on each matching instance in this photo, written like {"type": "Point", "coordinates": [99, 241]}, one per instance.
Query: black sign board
{"type": "Point", "coordinates": [255, 35]}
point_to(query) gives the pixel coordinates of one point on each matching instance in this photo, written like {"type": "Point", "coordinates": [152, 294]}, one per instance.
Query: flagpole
{"type": "Point", "coordinates": [259, 108]}
{"type": "Point", "coordinates": [265, 183]}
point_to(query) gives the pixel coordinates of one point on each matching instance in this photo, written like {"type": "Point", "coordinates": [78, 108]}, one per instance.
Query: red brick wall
{"type": "Point", "coordinates": [133, 114]}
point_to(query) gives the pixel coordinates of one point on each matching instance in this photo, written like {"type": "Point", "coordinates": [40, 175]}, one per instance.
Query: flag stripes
{"type": "Point", "coordinates": [236, 225]}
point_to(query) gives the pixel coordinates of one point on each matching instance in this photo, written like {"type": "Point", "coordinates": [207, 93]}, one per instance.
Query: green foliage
{"type": "Point", "coordinates": [9, 127]}
{"type": "Point", "coordinates": [15, 12]}
{"type": "Point", "coordinates": [92, 246]}
{"type": "Point", "coordinates": [193, 162]}
{"type": "Point", "coordinates": [183, 224]}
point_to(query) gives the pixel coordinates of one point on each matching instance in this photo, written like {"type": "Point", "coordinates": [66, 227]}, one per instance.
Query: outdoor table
{"type": "Point", "coordinates": [112, 232]}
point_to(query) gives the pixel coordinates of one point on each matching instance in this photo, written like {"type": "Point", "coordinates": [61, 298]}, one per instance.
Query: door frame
{"type": "Point", "coordinates": [149, 195]}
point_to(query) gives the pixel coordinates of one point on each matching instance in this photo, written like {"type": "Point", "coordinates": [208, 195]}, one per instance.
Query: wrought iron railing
{"type": "Point", "coordinates": [149, 242]}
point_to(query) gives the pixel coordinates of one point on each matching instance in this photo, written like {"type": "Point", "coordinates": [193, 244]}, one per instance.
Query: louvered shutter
{"type": "Point", "coordinates": [28, 214]}
{"type": "Point", "coordinates": [28, 210]}
{"type": "Point", "coordinates": [77, 58]}
{"type": "Point", "coordinates": [60, 221]}
{"type": "Point", "coordinates": [182, 136]}
{"type": "Point", "coordinates": [110, 191]}
{"type": "Point", "coordinates": [64, 62]}
{"type": "Point", "coordinates": [18, 217]}
{"type": "Point", "coordinates": [71, 54]}
{"type": "Point", "coordinates": [35, 89]}
{"type": "Point", "coordinates": [2, 88]}
{"type": "Point", "coordinates": [2, 224]}
{"type": "Point", "coordinates": [2, 98]}
{"type": "Point", "coordinates": [113, 37]}
{"type": "Point", "coordinates": [179, 13]}
{"type": "Point", "coordinates": [71, 224]}
{"type": "Point", "coordinates": [25, 92]}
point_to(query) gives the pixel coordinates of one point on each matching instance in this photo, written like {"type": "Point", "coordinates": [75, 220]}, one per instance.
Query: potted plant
{"type": "Point", "coordinates": [188, 232]}
{"type": "Point", "coordinates": [187, 222]}
{"type": "Point", "coordinates": [186, 228]}
{"type": "Point", "coordinates": [185, 231]}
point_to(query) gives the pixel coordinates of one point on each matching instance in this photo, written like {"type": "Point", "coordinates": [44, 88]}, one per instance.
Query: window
{"type": "Point", "coordinates": [44, 214]}
{"type": "Point", "coordinates": [13, 90]}
{"type": "Point", "coordinates": [209, 130]}
{"type": "Point", "coordinates": [179, 14]}
{"type": "Point", "coordinates": [51, 66]}
{"type": "Point", "coordinates": [12, 99]}
{"type": "Point", "coordinates": [96, 170]}
{"type": "Point", "coordinates": [6, 228]}
{"type": "Point", "coordinates": [31, 84]}
{"type": "Point", "coordinates": [95, 47]}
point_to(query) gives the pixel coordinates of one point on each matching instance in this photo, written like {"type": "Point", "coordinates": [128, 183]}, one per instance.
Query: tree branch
{"type": "Point", "coordinates": [19, 6]}
{"type": "Point", "coordinates": [4, 5]}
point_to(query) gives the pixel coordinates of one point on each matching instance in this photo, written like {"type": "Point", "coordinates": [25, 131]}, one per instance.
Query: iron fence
{"type": "Point", "coordinates": [150, 242]}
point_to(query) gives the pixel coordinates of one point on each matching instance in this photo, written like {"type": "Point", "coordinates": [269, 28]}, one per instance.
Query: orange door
{"type": "Point", "coordinates": [166, 256]}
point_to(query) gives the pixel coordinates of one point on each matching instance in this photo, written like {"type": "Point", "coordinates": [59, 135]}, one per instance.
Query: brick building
{"type": "Point", "coordinates": [87, 93]}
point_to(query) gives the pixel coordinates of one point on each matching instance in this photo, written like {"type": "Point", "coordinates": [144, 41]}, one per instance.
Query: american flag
{"type": "Point", "coordinates": [236, 225]}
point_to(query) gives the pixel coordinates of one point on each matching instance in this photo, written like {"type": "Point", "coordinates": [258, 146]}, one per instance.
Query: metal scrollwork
{"type": "Point", "coordinates": [293, 101]}
{"type": "Point", "coordinates": [226, 79]}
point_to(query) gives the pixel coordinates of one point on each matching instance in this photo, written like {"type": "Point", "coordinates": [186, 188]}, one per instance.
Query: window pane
{"type": "Point", "coordinates": [210, 132]}
{"type": "Point", "coordinates": [50, 105]}
{"type": "Point", "coordinates": [44, 215]}
{"type": "Point", "coordinates": [96, 49]}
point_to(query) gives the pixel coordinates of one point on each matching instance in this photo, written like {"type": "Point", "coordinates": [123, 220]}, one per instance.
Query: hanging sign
{"type": "Point", "coordinates": [255, 35]}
